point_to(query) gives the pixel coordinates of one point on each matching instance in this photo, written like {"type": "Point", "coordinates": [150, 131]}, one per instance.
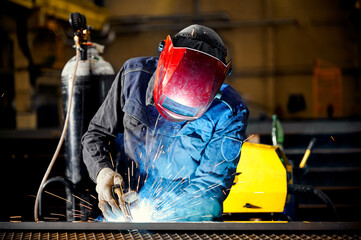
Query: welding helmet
{"type": "Point", "coordinates": [189, 74]}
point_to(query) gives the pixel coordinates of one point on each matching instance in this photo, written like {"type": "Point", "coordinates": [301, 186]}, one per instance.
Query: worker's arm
{"type": "Point", "coordinates": [202, 200]}
{"type": "Point", "coordinates": [102, 130]}
{"type": "Point", "coordinates": [96, 153]}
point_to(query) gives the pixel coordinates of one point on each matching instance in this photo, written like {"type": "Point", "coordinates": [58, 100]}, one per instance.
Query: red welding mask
{"type": "Point", "coordinates": [186, 82]}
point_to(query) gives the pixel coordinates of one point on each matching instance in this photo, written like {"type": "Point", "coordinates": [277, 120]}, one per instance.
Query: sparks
{"type": "Point", "coordinates": [111, 159]}
{"type": "Point", "coordinates": [51, 218]}
{"type": "Point", "coordinates": [158, 183]}
{"type": "Point", "coordinates": [85, 206]}
{"type": "Point", "coordinates": [82, 199]}
{"type": "Point", "coordinates": [212, 187]}
{"type": "Point", "coordinates": [160, 147]}
{"type": "Point", "coordinates": [132, 168]}
{"type": "Point", "coordinates": [129, 178]}
{"type": "Point", "coordinates": [138, 183]}
{"type": "Point", "coordinates": [219, 164]}
{"type": "Point", "coordinates": [251, 136]}
{"type": "Point", "coordinates": [57, 214]}
{"type": "Point", "coordinates": [58, 196]}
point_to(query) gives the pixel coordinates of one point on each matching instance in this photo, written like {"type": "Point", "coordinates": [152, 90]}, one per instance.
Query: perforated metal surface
{"type": "Point", "coordinates": [147, 235]}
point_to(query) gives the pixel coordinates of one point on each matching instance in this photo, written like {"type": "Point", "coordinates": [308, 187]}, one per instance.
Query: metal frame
{"type": "Point", "coordinates": [186, 226]}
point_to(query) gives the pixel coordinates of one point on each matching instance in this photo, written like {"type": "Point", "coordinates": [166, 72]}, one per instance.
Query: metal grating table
{"type": "Point", "coordinates": [138, 235]}
{"type": "Point", "coordinates": [178, 231]}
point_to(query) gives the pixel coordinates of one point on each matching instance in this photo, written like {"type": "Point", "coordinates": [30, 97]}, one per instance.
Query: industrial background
{"type": "Point", "coordinates": [300, 60]}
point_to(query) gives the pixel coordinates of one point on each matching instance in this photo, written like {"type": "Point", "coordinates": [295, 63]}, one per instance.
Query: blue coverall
{"type": "Point", "coordinates": [187, 168]}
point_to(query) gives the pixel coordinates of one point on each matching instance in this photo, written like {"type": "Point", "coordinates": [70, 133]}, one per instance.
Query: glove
{"type": "Point", "coordinates": [105, 181]}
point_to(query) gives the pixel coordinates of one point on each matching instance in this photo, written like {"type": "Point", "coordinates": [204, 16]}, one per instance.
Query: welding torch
{"type": "Point", "coordinates": [119, 199]}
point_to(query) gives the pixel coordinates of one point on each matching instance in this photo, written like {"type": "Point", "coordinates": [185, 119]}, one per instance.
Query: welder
{"type": "Point", "coordinates": [183, 130]}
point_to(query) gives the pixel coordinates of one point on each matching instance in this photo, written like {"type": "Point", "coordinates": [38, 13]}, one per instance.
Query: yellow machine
{"type": "Point", "coordinates": [260, 185]}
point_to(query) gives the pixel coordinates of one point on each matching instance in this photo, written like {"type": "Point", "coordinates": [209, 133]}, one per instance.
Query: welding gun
{"type": "Point", "coordinates": [124, 200]}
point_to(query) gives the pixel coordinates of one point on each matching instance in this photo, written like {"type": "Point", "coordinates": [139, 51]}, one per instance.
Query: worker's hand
{"type": "Point", "coordinates": [105, 181]}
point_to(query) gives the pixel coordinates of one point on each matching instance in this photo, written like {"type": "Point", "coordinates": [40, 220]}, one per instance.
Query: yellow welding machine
{"type": "Point", "coordinates": [260, 184]}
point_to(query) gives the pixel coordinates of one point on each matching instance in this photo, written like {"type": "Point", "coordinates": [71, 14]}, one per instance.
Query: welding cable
{"type": "Point", "coordinates": [307, 189]}
{"type": "Point", "coordinates": [61, 140]}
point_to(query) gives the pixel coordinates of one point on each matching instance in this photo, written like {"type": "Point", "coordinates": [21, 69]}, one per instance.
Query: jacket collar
{"type": "Point", "coordinates": [149, 99]}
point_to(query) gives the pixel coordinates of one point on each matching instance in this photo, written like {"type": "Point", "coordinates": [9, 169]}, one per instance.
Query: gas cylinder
{"type": "Point", "coordinates": [93, 79]}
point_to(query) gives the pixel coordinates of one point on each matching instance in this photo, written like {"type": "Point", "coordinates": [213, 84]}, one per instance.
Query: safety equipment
{"type": "Point", "coordinates": [203, 39]}
{"type": "Point", "coordinates": [106, 179]}
{"type": "Point", "coordinates": [186, 82]}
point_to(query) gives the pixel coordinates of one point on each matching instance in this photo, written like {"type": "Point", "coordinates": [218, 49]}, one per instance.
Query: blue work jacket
{"type": "Point", "coordinates": [185, 169]}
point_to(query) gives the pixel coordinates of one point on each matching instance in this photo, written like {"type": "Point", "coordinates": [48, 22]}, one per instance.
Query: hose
{"type": "Point", "coordinates": [307, 189]}
{"type": "Point", "coordinates": [61, 140]}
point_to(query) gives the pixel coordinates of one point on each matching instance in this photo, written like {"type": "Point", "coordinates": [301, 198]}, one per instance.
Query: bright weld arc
{"type": "Point", "coordinates": [141, 214]}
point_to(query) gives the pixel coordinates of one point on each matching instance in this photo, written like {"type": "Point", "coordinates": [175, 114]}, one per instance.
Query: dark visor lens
{"type": "Point", "coordinates": [179, 108]}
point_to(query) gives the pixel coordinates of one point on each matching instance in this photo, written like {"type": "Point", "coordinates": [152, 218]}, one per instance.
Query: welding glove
{"type": "Point", "coordinates": [106, 179]}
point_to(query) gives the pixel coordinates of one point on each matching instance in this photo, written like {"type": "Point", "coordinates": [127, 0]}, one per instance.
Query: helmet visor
{"type": "Point", "coordinates": [186, 82]}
